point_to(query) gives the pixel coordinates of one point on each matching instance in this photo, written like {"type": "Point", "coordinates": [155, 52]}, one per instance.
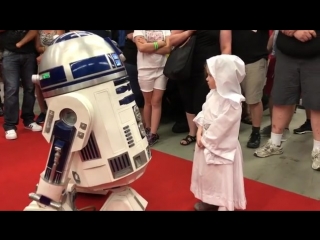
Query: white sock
{"type": "Point", "coordinates": [276, 139]}
{"type": "Point", "coordinates": [316, 144]}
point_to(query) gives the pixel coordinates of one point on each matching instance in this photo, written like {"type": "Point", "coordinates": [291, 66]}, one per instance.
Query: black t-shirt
{"type": "Point", "coordinates": [130, 50]}
{"type": "Point", "coordinates": [11, 37]}
{"type": "Point", "coordinates": [250, 45]}
{"type": "Point", "coordinates": [207, 45]}
{"type": "Point", "coordinates": [295, 48]}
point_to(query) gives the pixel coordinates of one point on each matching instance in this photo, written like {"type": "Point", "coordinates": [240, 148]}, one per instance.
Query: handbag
{"type": "Point", "coordinates": [178, 65]}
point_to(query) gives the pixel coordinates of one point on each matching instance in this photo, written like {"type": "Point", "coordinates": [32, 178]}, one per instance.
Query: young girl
{"type": "Point", "coordinates": [153, 45]}
{"type": "Point", "coordinates": [217, 175]}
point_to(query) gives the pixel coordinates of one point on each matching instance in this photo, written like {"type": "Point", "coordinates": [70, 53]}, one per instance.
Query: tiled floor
{"type": "Point", "coordinates": [290, 171]}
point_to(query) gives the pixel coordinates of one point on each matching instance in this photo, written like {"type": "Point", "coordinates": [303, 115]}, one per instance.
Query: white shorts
{"type": "Point", "coordinates": [150, 79]}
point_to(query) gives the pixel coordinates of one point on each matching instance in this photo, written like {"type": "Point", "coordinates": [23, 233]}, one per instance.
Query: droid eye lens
{"type": "Point", "coordinates": [68, 116]}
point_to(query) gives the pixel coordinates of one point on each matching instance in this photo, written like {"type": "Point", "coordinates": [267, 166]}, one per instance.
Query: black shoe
{"type": "Point", "coordinates": [254, 140]}
{"type": "Point", "coordinates": [41, 118]}
{"type": "Point", "coordinates": [304, 128]}
{"type": "Point", "coordinates": [1, 112]}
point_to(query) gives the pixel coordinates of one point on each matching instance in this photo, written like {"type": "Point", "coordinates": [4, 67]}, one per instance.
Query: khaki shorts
{"type": "Point", "coordinates": [255, 80]}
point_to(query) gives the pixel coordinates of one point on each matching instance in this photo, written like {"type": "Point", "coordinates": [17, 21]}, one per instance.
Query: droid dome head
{"type": "Point", "coordinates": [78, 60]}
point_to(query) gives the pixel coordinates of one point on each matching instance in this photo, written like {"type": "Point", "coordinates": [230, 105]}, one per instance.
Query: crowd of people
{"type": "Point", "coordinates": [242, 66]}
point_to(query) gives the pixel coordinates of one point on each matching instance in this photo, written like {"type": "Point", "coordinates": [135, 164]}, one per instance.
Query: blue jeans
{"type": "Point", "coordinates": [132, 72]}
{"type": "Point", "coordinates": [15, 67]}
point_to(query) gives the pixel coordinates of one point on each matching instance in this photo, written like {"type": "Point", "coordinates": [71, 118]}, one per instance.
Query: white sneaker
{"type": "Point", "coordinates": [315, 159]}
{"type": "Point", "coordinates": [34, 127]}
{"type": "Point", "coordinates": [11, 134]}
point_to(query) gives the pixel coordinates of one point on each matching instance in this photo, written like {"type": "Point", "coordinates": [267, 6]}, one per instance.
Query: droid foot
{"type": "Point", "coordinates": [125, 199]}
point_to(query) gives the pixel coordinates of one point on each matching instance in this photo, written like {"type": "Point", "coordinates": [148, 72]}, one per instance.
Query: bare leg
{"type": "Point", "coordinates": [147, 109]}
{"type": "Point", "coordinates": [256, 111]}
{"type": "Point", "coordinates": [156, 103]}
{"type": "Point", "coordinates": [308, 114]}
{"type": "Point", "coordinates": [281, 118]}
{"type": "Point", "coordinates": [315, 123]}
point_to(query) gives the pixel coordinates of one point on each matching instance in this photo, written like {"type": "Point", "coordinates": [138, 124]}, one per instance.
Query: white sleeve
{"type": "Point", "coordinates": [138, 33]}
{"type": "Point", "coordinates": [167, 33]}
{"type": "Point", "coordinates": [221, 138]}
{"type": "Point", "coordinates": [198, 120]}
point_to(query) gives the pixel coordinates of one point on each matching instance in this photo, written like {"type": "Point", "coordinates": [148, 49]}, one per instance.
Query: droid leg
{"type": "Point", "coordinates": [124, 199]}
{"type": "Point", "coordinates": [53, 191]}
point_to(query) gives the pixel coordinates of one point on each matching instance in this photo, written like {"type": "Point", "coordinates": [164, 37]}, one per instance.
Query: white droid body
{"type": "Point", "coordinates": [97, 137]}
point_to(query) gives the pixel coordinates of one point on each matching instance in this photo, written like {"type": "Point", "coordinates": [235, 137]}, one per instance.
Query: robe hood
{"type": "Point", "coordinates": [228, 72]}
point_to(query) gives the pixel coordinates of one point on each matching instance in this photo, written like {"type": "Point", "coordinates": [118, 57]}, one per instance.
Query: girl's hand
{"type": "Point", "coordinates": [199, 136]}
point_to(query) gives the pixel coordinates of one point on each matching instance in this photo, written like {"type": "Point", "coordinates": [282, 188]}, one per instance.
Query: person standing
{"type": "Point", "coordinates": [251, 47]}
{"type": "Point", "coordinates": [153, 46]}
{"type": "Point", "coordinates": [217, 171]}
{"type": "Point", "coordinates": [19, 62]}
{"type": "Point", "coordinates": [297, 74]}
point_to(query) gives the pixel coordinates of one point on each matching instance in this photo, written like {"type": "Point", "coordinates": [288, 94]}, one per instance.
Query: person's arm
{"type": "Point", "coordinates": [179, 36]}
{"type": "Point", "coordinates": [270, 42]}
{"type": "Point", "coordinates": [60, 32]}
{"type": "Point", "coordinates": [142, 45]}
{"type": "Point", "coordinates": [40, 49]}
{"type": "Point", "coordinates": [167, 48]}
{"type": "Point", "coordinates": [288, 33]}
{"type": "Point", "coordinates": [225, 41]}
{"type": "Point", "coordinates": [27, 38]}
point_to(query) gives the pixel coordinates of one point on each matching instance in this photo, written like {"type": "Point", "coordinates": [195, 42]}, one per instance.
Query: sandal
{"type": "Point", "coordinates": [188, 140]}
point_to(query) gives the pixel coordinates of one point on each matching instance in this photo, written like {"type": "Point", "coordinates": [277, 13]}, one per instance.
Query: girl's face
{"type": "Point", "coordinates": [210, 80]}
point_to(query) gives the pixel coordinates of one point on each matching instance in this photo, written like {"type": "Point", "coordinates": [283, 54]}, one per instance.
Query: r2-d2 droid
{"type": "Point", "coordinates": [98, 142]}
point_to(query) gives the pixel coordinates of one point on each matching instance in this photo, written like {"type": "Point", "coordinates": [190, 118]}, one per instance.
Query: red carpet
{"type": "Point", "coordinates": [165, 185]}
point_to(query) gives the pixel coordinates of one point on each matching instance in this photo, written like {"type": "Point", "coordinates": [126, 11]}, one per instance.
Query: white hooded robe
{"type": "Point", "coordinates": [217, 174]}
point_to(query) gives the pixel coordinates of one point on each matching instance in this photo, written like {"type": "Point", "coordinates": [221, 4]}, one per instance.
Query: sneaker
{"type": "Point", "coordinates": [304, 128]}
{"type": "Point", "coordinates": [268, 150]}
{"type": "Point", "coordinates": [41, 118]}
{"type": "Point", "coordinates": [315, 159]}
{"type": "Point", "coordinates": [153, 139]}
{"type": "Point", "coordinates": [34, 127]}
{"type": "Point", "coordinates": [11, 134]}
{"type": "Point", "coordinates": [254, 140]}
{"type": "Point", "coordinates": [148, 130]}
